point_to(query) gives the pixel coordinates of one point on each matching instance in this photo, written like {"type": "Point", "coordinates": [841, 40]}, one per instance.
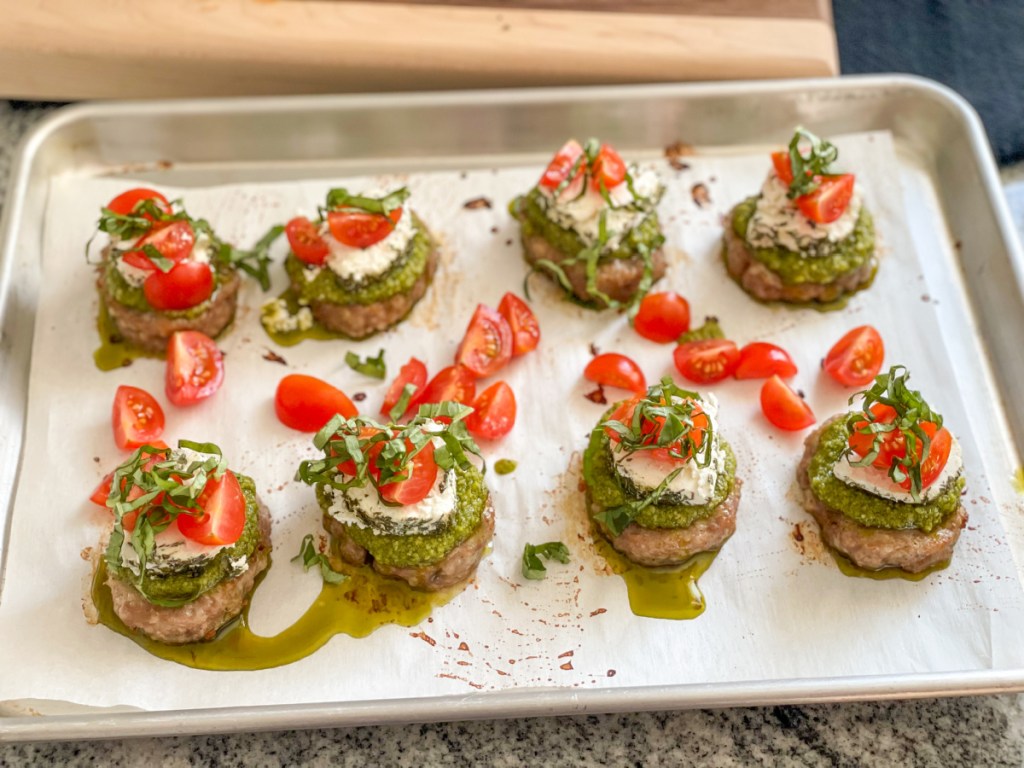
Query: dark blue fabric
{"type": "Point", "coordinates": [973, 46]}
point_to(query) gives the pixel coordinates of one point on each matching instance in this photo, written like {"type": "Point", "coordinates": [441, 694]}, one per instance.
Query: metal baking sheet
{"type": "Point", "coordinates": [945, 163]}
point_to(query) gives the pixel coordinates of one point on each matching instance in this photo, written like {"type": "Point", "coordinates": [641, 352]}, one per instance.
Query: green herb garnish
{"type": "Point", "coordinates": [709, 330]}
{"type": "Point", "coordinates": [808, 168]}
{"type": "Point", "coordinates": [533, 568]}
{"type": "Point", "coordinates": [340, 199]}
{"type": "Point", "coordinates": [310, 557]}
{"type": "Point", "coordinates": [372, 366]}
{"type": "Point", "coordinates": [402, 404]}
{"type": "Point", "coordinates": [910, 411]}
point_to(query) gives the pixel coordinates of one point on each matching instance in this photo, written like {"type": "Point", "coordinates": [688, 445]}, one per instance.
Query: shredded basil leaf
{"type": "Point", "coordinates": [373, 366]}
{"type": "Point", "coordinates": [402, 405]}
{"type": "Point", "coordinates": [310, 557]}
{"type": "Point", "coordinates": [533, 568]}
{"type": "Point", "coordinates": [340, 199]}
{"type": "Point", "coordinates": [807, 169]}
{"type": "Point", "coordinates": [617, 518]}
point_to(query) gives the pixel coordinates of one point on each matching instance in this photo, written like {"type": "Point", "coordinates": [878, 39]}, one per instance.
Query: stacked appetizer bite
{"type": "Point", "coordinates": [660, 482]}
{"type": "Point", "coordinates": [806, 237]}
{"type": "Point", "coordinates": [884, 481]}
{"type": "Point", "coordinates": [189, 540]}
{"type": "Point", "coordinates": [405, 499]}
{"type": "Point", "coordinates": [591, 224]}
{"type": "Point", "coordinates": [164, 271]}
{"type": "Point", "coordinates": [361, 266]}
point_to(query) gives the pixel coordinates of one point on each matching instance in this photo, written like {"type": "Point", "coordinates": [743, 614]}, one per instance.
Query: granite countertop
{"type": "Point", "coordinates": [985, 730]}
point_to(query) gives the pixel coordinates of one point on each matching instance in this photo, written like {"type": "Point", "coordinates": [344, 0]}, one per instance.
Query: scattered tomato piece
{"type": "Point", "coordinates": [662, 317]}
{"type": "Point", "coordinates": [783, 407]}
{"type": "Point", "coordinates": [414, 372]}
{"type": "Point", "coordinates": [306, 403]}
{"type": "Point", "coordinates": [305, 241]}
{"type": "Point", "coordinates": [614, 370]}
{"type": "Point", "coordinates": [486, 346]}
{"type": "Point", "coordinates": [456, 382]}
{"type": "Point", "coordinates": [707, 360]}
{"type": "Point", "coordinates": [856, 359]}
{"type": "Point", "coordinates": [195, 367]}
{"type": "Point", "coordinates": [522, 321]}
{"type": "Point", "coordinates": [494, 412]}
{"type": "Point", "coordinates": [759, 360]}
{"type": "Point", "coordinates": [137, 418]}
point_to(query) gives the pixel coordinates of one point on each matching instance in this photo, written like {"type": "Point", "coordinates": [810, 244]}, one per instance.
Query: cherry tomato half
{"type": "Point", "coordinates": [487, 345]}
{"type": "Point", "coordinates": [414, 372]}
{"type": "Point", "coordinates": [358, 229]}
{"type": "Point", "coordinates": [137, 418]}
{"type": "Point", "coordinates": [561, 164]}
{"type": "Point", "coordinates": [421, 474]}
{"type": "Point", "coordinates": [783, 166]}
{"type": "Point", "coordinates": [305, 241]}
{"type": "Point", "coordinates": [125, 203]}
{"type": "Point", "coordinates": [856, 359]}
{"type": "Point", "coordinates": [662, 317]}
{"type": "Point", "coordinates": [892, 444]}
{"type": "Point", "coordinates": [827, 203]}
{"type": "Point", "coordinates": [707, 360]}
{"type": "Point", "coordinates": [195, 367]}
{"type": "Point", "coordinates": [494, 412]}
{"type": "Point", "coordinates": [306, 403]}
{"type": "Point", "coordinates": [783, 407]}
{"type": "Point", "coordinates": [652, 431]}
{"type": "Point", "coordinates": [173, 242]}
{"type": "Point", "coordinates": [759, 360]}
{"type": "Point", "coordinates": [935, 461]}
{"type": "Point", "coordinates": [187, 284]}
{"type": "Point", "coordinates": [522, 321]}
{"type": "Point", "coordinates": [614, 370]}
{"type": "Point", "coordinates": [456, 382]}
{"type": "Point", "coordinates": [223, 518]}
{"type": "Point", "coordinates": [608, 169]}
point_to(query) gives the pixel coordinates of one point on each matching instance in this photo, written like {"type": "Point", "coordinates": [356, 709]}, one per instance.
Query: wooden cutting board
{"type": "Point", "coordinates": [74, 49]}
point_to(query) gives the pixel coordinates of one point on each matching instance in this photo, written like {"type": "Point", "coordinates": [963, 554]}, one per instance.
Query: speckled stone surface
{"type": "Point", "coordinates": [982, 731]}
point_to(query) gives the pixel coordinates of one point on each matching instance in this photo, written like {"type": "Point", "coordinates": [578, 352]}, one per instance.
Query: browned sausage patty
{"type": "Point", "coordinates": [617, 278]}
{"type": "Point", "coordinates": [910, 549]}
{"type": "Point", "coordinates": [673, 546]}
{"type": "Point", "coordinates": [457, 566]}
{"type": "Point", "coordinates": [362, 320]}
{"type": "Point", "coordinates": [764, 284]}
{"type": "Point", "coordinates": [200, 619]}
{"type": "Point", "coordinates": [151, 330]}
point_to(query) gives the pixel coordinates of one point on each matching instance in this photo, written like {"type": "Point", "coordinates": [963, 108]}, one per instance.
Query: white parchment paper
{"type": "Point", "coordinates": [778, 608]}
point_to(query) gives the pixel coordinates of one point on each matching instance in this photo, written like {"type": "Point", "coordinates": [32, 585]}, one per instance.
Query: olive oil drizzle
{"type": "Point", "coordinates": [113, 352]}
{"type": "Point", "coordinates": [847, 567]}
{"type": "Point", "coordinates": [670, 592]}
{"type": "Point", "coordinates": [362, 603]}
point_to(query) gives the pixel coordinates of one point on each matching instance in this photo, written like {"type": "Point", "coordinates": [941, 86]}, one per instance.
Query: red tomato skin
{"type": "Point", "coordinates": [195, 367]}
{"type": "Point", "coordinates": [102, 492]}
{"type": "Point", "coordinates": [609, 169]}
{"type": "Point", "coordinates": [358, 229]}
{"type": "Point", "coordinates": [305, 241]}
{"type": "Point", "coordinates": [137, 418]}
{"type": "Point", "coordinates": [486, 346]}
{"type": "Point", "coordinates": [560, 165]}
{"type": "Point", "coordinates": [422, 476]}
{"type": "Point", "coordinates": [306, 403]}
{"type": "Point", "coordinates": [494, 412]}
{"type": "Point", "coordinates": [662, 317]}
{"type": "Point", "coordinates": [414, 372]}
{"type": "Point", "coordinates": [706, 361]}
{"type": "Point", "coordinates": [188, 284]}
{"type": "Point", "coordinates": [522, 322]}
{"type": "Point", "coordinates": [456, 382]}
{"type": "Point", "coordinates": [935, 461]}
{"type": "Point", "coordinates": [783, 166]}
{"type": "Point", "coordinates": [125, 203]}
{"type": "Point", "coordinates": [827, 203]}
{"type": "Point", "coordinates": [615, 370]}
{"type": "Point", "coordinates": [856, 358]}
{"type": "Point", "coordinates": [759, 360]}
{"type": "Point", "coordinates": [174, 241]}
{"type": "Point", "coordinates": [783, 407]}
{"type": "Point", "coordinates": [223, 518]}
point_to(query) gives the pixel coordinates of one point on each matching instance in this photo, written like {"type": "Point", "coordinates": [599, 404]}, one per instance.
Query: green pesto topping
{"type": "Point", "coordinates": [847, 255]}
{"type": "Point", "coordinates": [505, 466]}
{"type": "Point", "coordinates": [129, 295]}
{"type": "Point", "coordinates": [398, 278]}
{"type": "Point", "coordinates": [710, 330]}
{"type": "Point", "coordinates": [605, 487]}
{"type": "Point", "coordinates": [864, 507]}
{"type": "Point", "coordinates": [416, 550]}
{"type": "Point", "coordinates": [201, 574]}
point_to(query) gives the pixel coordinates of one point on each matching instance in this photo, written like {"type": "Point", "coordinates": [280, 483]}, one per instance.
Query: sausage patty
{"type": "Point", "coordinates": [909, 549]}
{"type": "Point", "coordinates": [674, 546]}
{"type": "Point", "coordinates": [361, 320]}
{"type": "Point", "coordinates": [617, 278]}
{"type": "Point", "coordinates": [764, 284]}
{"type": "Point", "coordinates": [457, 566]}
{"type": "Point", "coordinates": [199, 620]}
{"type": "Point", "coordinates": [151, 330]}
